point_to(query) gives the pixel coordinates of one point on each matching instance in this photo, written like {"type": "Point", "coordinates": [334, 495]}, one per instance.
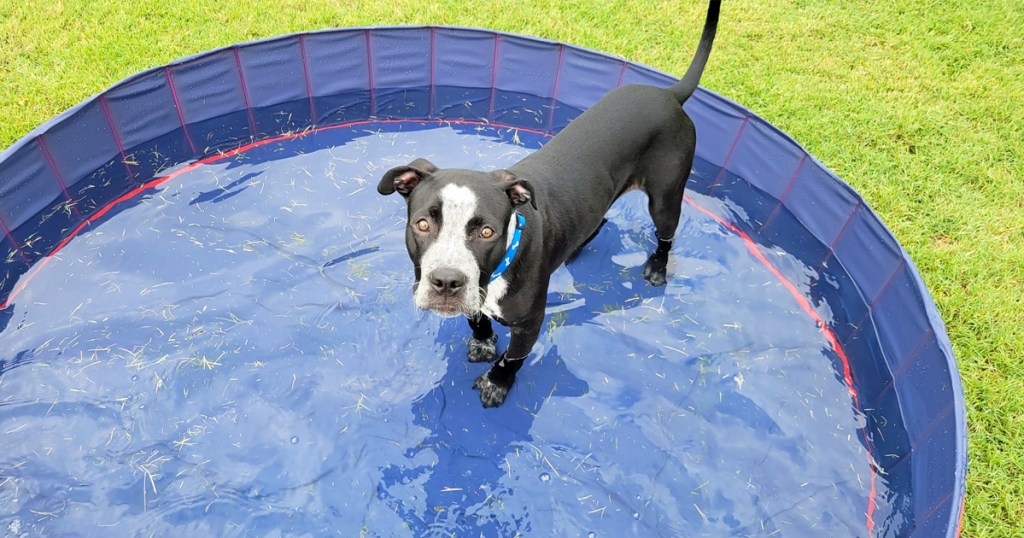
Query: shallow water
{"type": "Point", "coordinates": [237, 352]}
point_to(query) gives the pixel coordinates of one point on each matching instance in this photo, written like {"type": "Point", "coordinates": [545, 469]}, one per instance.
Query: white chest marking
{"type": "Point", "coordinates": [497, 289]}
{"type": "Point", "coordinates": [450, 249]}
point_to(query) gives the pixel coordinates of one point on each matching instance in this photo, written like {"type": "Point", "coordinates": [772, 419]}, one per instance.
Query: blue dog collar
{"type": "Point", "coordinates": [513, 248]}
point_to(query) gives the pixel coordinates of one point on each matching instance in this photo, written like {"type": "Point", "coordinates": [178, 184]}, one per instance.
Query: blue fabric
{"type": "Point", "coordinates": [27, 184]}
{"type": "Point", "coordinates": [197, 106]}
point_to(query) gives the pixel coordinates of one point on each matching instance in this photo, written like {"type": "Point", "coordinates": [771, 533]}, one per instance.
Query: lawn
{"type": "Point", "coordinates": [917, 104]}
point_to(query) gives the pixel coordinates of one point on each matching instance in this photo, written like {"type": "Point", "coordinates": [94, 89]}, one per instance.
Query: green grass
{"type": "Point", "coordinates": [917, 104]}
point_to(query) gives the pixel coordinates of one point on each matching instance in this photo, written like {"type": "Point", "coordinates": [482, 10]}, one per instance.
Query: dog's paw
{"type": "Point", "coordinates": [491, 393]}
{"type": "Point", "coordinates": [656, 269]}
{"type": "Point", "coordinates": [483, 350]}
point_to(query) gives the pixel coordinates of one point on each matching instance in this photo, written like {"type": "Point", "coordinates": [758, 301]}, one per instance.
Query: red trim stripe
{"type": "Point", "coordinates": [827, 331]}
{"type": "Point", "coordinates": [960, 523]}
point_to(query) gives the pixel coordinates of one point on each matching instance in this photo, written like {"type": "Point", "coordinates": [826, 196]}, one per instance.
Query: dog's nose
{"type": "Point", "coordinates": [447, 281]}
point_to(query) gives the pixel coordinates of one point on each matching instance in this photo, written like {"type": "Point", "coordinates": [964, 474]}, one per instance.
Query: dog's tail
{"type": "Point", "coordinates": [683, 89]}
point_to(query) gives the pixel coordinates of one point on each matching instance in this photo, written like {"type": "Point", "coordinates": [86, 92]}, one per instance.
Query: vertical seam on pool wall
{"type": "Point", "coordinates": [888, 282]}
{"type": "Point", "coordinates": [430, 113]}
{"type": "Point", "coordinates": [922, 341]}
{"type": "Point", "coordinates": [554, 91]}
{"type": "Point", "coordinates": [116, 135]}
{"type": "Point", "coordinates": [622, 74]}
{"type": "Point", "coordinates": [728, 156]}
{"type": "Point", "coordinates": [934, 423]}
{"type": "Point", "coordinates": [871, 305]}
{"type": "Point", "coordinates": [14, 243]}
{"type": "Point", "coordinates": [785, 193]}
{"type": "Point", "coordinates": [245, 92]}
{"type": "Point", "coordinates": [369, 74]}
{"type": "Point", "coordinates": [309, 83]}
{"type": "Point", "coordinates": [494, 78]}
{"type": "Point", "coordinates": [56, 173]}
{"type": "Point", "coordinates": [931, 511]}
{"type": "Point", "coordinates": [929, 430]}
{"type": "Point", "coordinates": [915, 443]}
{"type": "Point", "coordinates": [839, 236]}
{"type": "Point", "coordinates": [181, 112]}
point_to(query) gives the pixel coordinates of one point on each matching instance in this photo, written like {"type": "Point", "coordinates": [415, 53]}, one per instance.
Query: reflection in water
{"type": "Point", "coordinates": [237, 352]}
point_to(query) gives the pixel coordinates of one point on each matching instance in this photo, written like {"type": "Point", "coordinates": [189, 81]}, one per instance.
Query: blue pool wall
{"type": "Point", "coordinates": [904, 371]}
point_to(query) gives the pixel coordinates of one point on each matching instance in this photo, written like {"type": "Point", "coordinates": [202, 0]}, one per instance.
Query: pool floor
{"type": "Point", "coordinates": [236, 352]}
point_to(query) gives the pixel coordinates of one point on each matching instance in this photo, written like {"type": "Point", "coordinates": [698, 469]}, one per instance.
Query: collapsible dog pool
{"type": "Point", "coordinates": [207, 323]}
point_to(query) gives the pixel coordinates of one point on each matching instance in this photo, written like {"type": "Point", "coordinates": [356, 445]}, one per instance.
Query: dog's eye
{"type": "Point", "coordinates": [486, 232]}
{"type": "Point", "coordinates": [422, 225]}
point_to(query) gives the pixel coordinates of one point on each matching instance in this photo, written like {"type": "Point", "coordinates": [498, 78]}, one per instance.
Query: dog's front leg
{"type": "Point", "coordinates": [656, 269]}
{"type": "Point", "coordinates": [483, 345]}
{"type": "Point", "coordinates": [495, 384]}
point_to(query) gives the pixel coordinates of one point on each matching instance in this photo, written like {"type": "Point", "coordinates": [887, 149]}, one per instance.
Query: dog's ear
{"type": "Point", "coordinates": [519, 191]}
{"type": "Point", "coordinates": [405, 178]}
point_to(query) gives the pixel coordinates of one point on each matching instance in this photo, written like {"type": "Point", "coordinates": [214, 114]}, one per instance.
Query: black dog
{"type": "Point", "coordinates": [487, 243]}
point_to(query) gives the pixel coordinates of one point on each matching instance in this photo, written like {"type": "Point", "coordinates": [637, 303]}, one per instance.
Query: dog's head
{"type": "Point", "coordinates": [459, 226]}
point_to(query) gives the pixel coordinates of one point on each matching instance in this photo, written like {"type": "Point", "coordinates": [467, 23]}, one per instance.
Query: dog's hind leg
{"type": "Point", "coordinates": [666, 180]}
{"type": "Point", "coordinates": [483, 345]}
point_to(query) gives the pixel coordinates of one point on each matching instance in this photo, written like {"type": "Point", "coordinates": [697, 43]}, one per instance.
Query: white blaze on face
{"type": "Point", "coordinates": [450, 249]}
